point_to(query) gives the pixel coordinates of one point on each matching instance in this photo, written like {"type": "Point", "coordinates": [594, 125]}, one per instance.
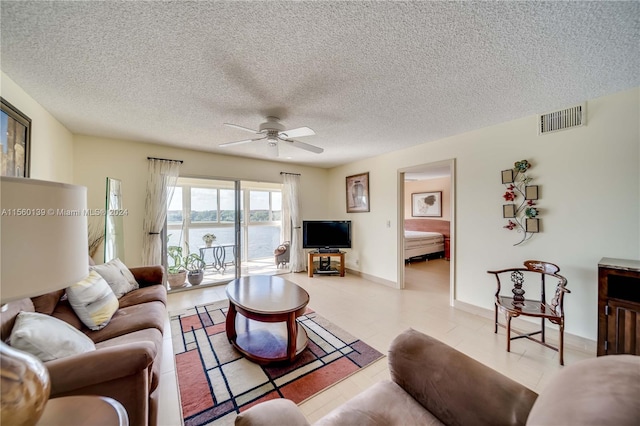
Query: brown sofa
{"type": "Point", "coordinates": [433, 384]}
{"type": "Point", "coordinates": [126, 363]}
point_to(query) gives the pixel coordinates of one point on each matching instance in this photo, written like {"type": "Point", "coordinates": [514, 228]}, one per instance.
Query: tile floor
{"type": "Point", "coordinates": [376, 314]}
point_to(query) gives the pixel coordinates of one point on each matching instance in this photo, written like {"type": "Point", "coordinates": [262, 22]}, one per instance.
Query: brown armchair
{"type": "Point", "coordinates": [282, 254]}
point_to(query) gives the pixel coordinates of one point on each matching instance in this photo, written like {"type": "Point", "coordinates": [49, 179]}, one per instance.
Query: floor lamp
{"type": "Point", "coordinates": [43, 248]}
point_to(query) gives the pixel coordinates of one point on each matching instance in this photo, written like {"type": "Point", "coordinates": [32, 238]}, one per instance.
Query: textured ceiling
{"type": "Point", "coordinates": [368, 77]}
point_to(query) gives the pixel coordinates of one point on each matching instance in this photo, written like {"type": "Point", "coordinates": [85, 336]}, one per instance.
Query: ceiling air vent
{"type": "Point", "coordinates": [574, 116]}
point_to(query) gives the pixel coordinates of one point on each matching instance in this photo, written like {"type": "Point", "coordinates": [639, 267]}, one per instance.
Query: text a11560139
{"type": "Point", "coordinates": [62, 212]}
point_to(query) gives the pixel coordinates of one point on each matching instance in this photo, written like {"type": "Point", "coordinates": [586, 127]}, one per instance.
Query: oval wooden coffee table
{"type": "Point", "coordinates": [261, 322]}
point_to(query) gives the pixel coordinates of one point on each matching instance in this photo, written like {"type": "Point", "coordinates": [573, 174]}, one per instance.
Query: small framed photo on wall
{"type": "Point", "coordinates": [532, 225]}
{"type": "Point", "coordinates": [426, 204]}
{"type": "Point", "coordinates": [531, 192]}
{"type": "Point", "coordinates": [508, 210]}
{"type": "Point", "coordinates": [507, 176]}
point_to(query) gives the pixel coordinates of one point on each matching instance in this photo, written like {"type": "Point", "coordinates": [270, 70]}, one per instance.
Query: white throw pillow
{"type": "Point", "coordinates": [118, 276]}
{"type": "Point", "coordinates": [93, 301]}
{"type": "Point", "coordinates": [47, 337]}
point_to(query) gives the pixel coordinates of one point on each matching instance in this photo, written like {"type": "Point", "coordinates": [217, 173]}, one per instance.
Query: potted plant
{"type": "Point", "coordinates": [176, 272]}
{"type": "Point", "coordinates": [195, 267]}
{"type": "Point", "coordinates": [208, 239]}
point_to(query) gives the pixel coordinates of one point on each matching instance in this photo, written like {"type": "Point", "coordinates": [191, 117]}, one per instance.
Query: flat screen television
{"type": "Point", "coordinates": [326, 235]}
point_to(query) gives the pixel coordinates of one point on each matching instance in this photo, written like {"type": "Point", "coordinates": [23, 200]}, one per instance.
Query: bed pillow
{"type": "Point", "coordinates": [93, 301]}
{"type": "Point", "coordinates": [47, 337]}
{"type": "Point", "coordinates": [118, 276]}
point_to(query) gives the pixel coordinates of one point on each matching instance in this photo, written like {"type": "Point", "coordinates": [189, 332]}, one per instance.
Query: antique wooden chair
{"type": "Point", "coordinates": [519, 305]}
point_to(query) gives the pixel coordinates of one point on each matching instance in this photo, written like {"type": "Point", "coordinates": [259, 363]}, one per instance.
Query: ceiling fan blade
{"type": "Point", "coordinates": [246, 129]}
{"type": "Point", "coordinates": [304, 146]}
{"type": "Point", "coordinates": [239, 142]}
{"type": "Point", "coordinates": [297, 133]}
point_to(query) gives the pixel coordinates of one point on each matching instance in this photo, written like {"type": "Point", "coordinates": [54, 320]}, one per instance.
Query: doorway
{"type": "Point", "coordinates": [433, 183]}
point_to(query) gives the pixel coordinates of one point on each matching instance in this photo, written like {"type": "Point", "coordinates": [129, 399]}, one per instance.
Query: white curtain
{"type": "Point", "coordinates": [291, 222]}
{"type": "Point", "coordinates": [161, 182]}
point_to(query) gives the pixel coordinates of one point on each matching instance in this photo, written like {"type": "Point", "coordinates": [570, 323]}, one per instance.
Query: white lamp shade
{"type": "Point", "coordinates": [44, 244]}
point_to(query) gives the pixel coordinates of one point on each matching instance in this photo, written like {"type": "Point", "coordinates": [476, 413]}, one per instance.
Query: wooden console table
{"type": "Point", "coordinates": [314, 254]}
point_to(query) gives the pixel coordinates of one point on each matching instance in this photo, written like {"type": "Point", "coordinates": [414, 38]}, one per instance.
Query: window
{"type": "Point", "coordinates": [204, 205]}
{"type": "Point", "coordinates": [201, 206]}
{"type": "Point", "coordinates": [265, 206]}
{"type": "Point", "coordinates": [15, 141]}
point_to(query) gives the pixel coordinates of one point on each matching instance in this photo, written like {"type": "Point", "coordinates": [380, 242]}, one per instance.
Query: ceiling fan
{"type": "Point", "coordinates": [273, 132]}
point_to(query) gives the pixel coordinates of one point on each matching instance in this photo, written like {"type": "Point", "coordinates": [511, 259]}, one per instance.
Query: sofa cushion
{"type": "Point", "coordinates": [47, 337]}
{"type": "Point", "coordinates": [598, 391]}
{"type": "Point", "coordinates": [148, 275]}
{"type": "Point", "coordinates": [9, 313]}
{"type": "Point", "coordinates": [93, 301]}
{"type": "Point", "coordinates": [152, 293]}
{"type": "Point", "coordinates": [384, 403]}
{"type": "Point", "coordinates": [130, 319]}
{"type": "Point", "coordinates": [118, 276]}
{"type": "Point", "coordinates": [47, 303]}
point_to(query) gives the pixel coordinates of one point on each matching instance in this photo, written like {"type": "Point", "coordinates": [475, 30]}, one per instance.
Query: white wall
{"type": "Point", "coordinates": [590, 198]}
{"type": "Point", "coordinates": [98, 158]}
{"type": "Point", "coordinates": [51, 142]}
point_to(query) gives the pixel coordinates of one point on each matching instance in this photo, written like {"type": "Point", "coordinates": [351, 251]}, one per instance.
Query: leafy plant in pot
{"type": "Point", "coordinates": [208, 239]}
{"type": "Point", "coordinates": [195, 265]}
{"type": "Point", "coordinates": [176, 273]}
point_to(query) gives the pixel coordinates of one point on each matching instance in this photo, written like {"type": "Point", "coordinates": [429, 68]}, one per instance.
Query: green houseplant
{"type": "Point", "coordinates": [195, 267]}
{"type": "Point", "coordinates": [176, 272]}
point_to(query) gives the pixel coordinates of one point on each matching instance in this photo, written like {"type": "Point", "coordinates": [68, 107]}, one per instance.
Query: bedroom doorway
{"type": "Point", "coordinates": [426, 208]}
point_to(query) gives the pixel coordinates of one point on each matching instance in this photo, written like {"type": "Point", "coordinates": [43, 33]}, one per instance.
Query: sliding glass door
{"type": "Point", "coordinates": [232, 226]}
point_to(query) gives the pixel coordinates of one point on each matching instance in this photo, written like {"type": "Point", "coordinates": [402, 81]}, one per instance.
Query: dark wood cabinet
{"type": "Point", "coordinates": [618, 306]}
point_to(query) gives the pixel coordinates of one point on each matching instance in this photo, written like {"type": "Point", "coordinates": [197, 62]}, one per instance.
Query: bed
{"type": "Point", "coordinates": [421, 243]}
{"type": "Point", "coordinates": [425, 237]}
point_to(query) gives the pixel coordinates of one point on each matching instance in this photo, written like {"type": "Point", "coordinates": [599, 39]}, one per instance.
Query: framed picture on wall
{"type": "Point", "coordinates": [426, 204]}
{"type": "Point", "coordinates": [358, 193]}
{"type": "Point", "coordinates": [15, 141]}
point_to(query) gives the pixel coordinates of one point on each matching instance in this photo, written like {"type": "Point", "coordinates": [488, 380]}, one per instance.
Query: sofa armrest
{"type": "Point", "coordinates": [455, 388]}
{"type": "Point", "coordinates": [99, 366]}
{"type": "Point", "coordinates": [275, 412]}
{"type": "Point", "coordinates": [148, 275]}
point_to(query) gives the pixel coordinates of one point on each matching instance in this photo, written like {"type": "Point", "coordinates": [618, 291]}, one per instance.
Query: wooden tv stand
{"type": "Point", "coordinates": [314, 254]}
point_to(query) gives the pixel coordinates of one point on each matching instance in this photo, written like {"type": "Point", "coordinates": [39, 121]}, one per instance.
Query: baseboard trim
{"type": "Point", "coordinates": [528, 324]}
{"type": "Point", "coordinates": [373, 278]}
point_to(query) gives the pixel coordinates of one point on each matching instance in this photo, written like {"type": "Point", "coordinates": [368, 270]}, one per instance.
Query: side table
{"type": "Point", "coordinates": [314, 254]}
{"type": "Point", "coordinates": [85, 410]}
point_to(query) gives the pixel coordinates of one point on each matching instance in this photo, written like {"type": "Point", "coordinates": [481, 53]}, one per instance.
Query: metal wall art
{"type": "Point", "coordinates": [522, 213]}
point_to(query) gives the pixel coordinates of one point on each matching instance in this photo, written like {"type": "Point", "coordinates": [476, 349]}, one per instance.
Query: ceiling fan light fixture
{"type": "Point", "coordinates": [274, 132]}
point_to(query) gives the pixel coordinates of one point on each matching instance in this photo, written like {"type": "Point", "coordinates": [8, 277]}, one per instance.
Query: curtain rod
{"type": "Point", "coordinates": [287, 173]}
{"type": "Point", "coordinates": [165, 159]}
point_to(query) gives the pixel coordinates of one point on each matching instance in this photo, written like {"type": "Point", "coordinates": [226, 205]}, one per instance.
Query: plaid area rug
{"type": "Point", "coordinates": [216, 382]}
